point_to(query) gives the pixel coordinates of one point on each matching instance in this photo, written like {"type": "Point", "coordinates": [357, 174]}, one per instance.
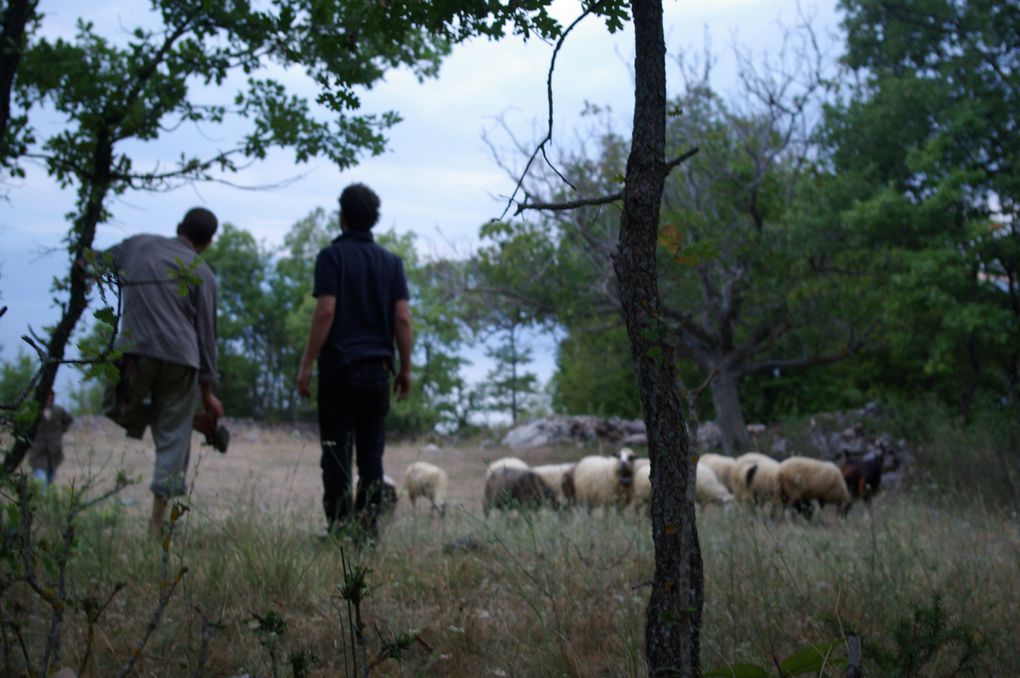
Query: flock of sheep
{"type": "Point", "coordinates": [624, 479]}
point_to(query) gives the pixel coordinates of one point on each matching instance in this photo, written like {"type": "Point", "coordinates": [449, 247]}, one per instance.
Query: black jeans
{"type": "Point", "coordinates": [353, 402]}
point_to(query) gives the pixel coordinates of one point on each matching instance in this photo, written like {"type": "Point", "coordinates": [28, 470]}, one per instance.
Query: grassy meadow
{"type": "Point", "coordinates": [929, 579]}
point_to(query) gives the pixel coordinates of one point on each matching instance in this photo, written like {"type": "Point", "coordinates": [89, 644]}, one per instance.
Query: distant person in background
{"type": "Point", "coordinates": [168, 370]}
{"type": "Point", "coordinates": [361, 309]}
{"type": "Point", "coordinates": [48, 446]}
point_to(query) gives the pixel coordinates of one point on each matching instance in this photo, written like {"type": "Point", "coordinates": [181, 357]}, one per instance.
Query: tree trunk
{"type": "Point", "coordinates": [15, 19]}
{"type": "Point", "coordinates": [728, 413]}
{"type": "Point", "coordinates": [93, 195]}
{"type": "Point", "coordinates": [673, 621]}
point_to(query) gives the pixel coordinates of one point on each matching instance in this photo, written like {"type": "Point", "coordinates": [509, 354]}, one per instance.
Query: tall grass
{"type": "Point", "coordinates": [548, 594]}
{"type": "Point", "coordinates": [927, 577]}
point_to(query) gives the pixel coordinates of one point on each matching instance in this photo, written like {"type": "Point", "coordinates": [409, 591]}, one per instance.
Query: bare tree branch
{"type": "Point", "coordinates": [592, 202]}
{"type": "Point", "coordinates": [549, 95]}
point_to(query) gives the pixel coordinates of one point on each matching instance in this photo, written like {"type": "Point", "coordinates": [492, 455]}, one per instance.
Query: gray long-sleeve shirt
{"type": "Point", "coordinates": [157, 320]}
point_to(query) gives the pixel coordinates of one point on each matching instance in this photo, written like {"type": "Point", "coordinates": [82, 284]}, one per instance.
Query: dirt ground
{"type": "Point", "coordinates": [270, 468]}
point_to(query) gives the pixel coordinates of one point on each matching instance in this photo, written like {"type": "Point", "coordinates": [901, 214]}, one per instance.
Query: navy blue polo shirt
{"type": "Point", "coordinates": [367, 282]}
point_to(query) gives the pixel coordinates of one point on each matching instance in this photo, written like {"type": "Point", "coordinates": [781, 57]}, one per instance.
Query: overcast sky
{"type": "Point", "coordinates": [437, 178]}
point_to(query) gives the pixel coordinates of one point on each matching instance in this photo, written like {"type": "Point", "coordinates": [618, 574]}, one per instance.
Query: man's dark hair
{"type": "Point", "coordinates": [359, 207]}
{"type": "Point", "coordinates": [198, 226]}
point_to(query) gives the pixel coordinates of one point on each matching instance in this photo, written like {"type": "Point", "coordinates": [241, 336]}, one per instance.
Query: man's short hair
{"type": "Point", "coordinates": [359, 207]}
{"type": "Point", "coordinates": [198, 226]}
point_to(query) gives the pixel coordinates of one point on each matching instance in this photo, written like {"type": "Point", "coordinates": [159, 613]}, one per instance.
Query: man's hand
{"type": "Point", "coordinates": [212, 404]}
{"type": "Point", "coordinates": [402, 384]}
{"type": "Point", "coordinates": [304, 382]}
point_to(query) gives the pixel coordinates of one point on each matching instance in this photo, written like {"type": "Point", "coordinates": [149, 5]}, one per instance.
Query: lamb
{"type": "Point", "coordinates": [708, 488]}
{"type": "Point", "coordinates": [514, 488]}
{"type": "Point", "coordinates": [552, 475]}
{"type": "Point", "coordinates": [423, 479]}
{"type": "Point", "coordinates": [754, 478]}
{"type": "Point", "coordinates": [722, 466]}
{"type": "Point", "coordinates": [601, 481]}
{"type": "Point", "coordinates": [802, 480]}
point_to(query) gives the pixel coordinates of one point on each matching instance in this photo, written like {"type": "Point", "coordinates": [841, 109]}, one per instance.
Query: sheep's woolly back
{"type": "Point", "coordinates": [505, 463]}
{"type": "Point", "coordinates": [722, 467]}
{"type": "Point", "coordinates": [763, 473]}
{"type": "Point", "coordinates": [708, 488]}
{"type": "Point", "coordinates": [802, 479]}
{"type": "Point", "coordinates": [426, 480]}
{"type": "Point", "coordinates": [597, 482]}
{"type": "Point", "coordinates": [552, 475]}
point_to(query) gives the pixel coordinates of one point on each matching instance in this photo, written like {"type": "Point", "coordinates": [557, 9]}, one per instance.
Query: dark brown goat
{"type": "Point", "coordinates": [520, 489]}
{"type": "Point", "coordinates": [863, 475]}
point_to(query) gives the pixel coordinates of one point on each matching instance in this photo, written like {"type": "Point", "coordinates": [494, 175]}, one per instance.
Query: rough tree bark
{"type": "Point", "coordinates": [729, 414]}
{"type": "Point", "coordinates": [673, 621]}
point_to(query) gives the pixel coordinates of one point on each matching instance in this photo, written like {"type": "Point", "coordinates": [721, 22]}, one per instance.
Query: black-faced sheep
{"type": "Point", "coordinates": [514, 488]}
{"type": "Point", "coordinates": [722, 467]}
{"type": "Point", "coordinates": [428, 481]}
{"type": "Point", "coordinates": [755, 479]}
{"type": "Point", "coordinates": [601, 481]}
{"type": "Point", "coordinates": [802, 481]}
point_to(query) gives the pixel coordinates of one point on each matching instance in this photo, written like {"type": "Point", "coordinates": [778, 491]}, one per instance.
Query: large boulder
{"type": "Point", "coordinates": [578, 430]}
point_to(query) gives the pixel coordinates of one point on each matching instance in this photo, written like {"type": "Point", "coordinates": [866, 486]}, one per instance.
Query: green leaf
{"type": "Point", "coordinates": [106, 315]}
{"type": "Point", "coordinates": [737, 671]}
{"type": "Point", "coordinates": [812, 659]}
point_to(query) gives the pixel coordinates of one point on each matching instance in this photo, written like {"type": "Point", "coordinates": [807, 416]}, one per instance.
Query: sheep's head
{"type": "Point", "coordinates": [625, 469]}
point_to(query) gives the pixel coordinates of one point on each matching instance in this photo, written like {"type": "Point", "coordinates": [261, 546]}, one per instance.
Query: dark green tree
{"type": "Point", "coordinates": [508, 384]}
{"type": "Point", "coordinates": [594, 374]}
{"type": "Point", "coordinates": [247, 324]}
{"type": "Point", "coordinates": [923, 149]}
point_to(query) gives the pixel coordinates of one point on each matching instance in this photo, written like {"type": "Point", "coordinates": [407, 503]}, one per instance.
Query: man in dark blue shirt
{"type": "Point", "coordinates": [361, 310]}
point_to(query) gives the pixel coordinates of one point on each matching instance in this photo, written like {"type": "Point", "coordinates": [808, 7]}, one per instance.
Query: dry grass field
{"type": "Point", "coordinates": [271, 468]}
{"type": "Point", "coordinates": [931, 586]}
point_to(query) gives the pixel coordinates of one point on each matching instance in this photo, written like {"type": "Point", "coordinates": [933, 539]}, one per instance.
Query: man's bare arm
{"type": "Point", "coordinates": [318, 330]}
{"type": "Point", "coordinates": [405, 338]}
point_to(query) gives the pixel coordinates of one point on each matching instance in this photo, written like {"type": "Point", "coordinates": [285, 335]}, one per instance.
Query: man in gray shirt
{"type": "Point", "coordinates": [168, 334]}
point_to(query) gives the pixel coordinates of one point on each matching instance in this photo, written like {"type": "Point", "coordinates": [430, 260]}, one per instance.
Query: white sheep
{"type": "Point", "coordinates": [642, 483]}
{"type": "Point", "coordinates": [707, 487]}
{"type": "Point", "coordinates": [722, 466]}
{"type": "Point", "coordinates": [755, 478]}
{"type": "Point", "coordinates": [553, 475]}
{"type": "Point", "coordinates": [602, 481]}
{"type": "Point", "coordinates": [802, 480]}
{"type": "Point", "coordinates": [423, 479]}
